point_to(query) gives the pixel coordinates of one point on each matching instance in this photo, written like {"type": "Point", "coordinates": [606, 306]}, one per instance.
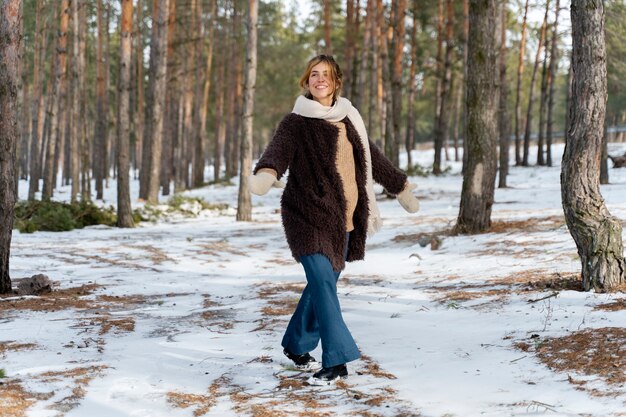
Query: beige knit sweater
{"type": "Point", "coordinates": [346, 169]}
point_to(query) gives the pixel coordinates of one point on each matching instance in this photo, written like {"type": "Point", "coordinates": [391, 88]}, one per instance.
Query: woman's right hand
{"type": "Point", "coordinates": [261, 183]}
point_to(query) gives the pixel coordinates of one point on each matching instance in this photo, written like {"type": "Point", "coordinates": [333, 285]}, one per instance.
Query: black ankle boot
{"type": "Point", "coordinates": [327, 376]}
{"type": "Point", "coordinates": [304, 362]}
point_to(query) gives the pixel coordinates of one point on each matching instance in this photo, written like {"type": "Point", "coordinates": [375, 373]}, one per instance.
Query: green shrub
{"type": "Point", "coordinates": [53, 216]}
{"type": "Point", "coordinates": [2, 373]}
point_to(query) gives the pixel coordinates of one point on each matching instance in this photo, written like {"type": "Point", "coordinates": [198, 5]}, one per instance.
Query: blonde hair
{"type": "Point", "coordinates": [335, 73]}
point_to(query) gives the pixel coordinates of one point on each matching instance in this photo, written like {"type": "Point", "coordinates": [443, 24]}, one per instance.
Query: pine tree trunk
{"type": "Point", "coordinates": [410, 123]}
{"type": "Point", "coordinates": [465, 58]}
{"type": "Point", "coordinates": [373, 122]}
{"type": "Point", "coordinates": [457, 119]}
{"type": "Point", "coordinates": [326, 12]}
{"type": "Point", "coordinates": [503, 114]}
{"type": "Point", "coordinates": [531, 95]}
{"type": "Point", "coordinates": [598, 234]}
{"type": "Point", "coordinates": [197, 179]}
{"type": "Point", "coordinates": [37, 118]}
{"type": "Point", "coordinates": [83, 143]}
{"type": "Point", "coordinates": [124, 212]}
{"type": "Point", "coordinates": [220, 124]}
{"type": "Point", "coordinates": [518, 90]}
{"type": "Point", "coordinates": [439, 80]}
{"type": "Point", "coordinates": [58, 94]}
{"type": "Point", "coordinates": [604, 156]}
{"type": "Point", "coordinates": [396, 77]}
{"type": "Point", "coordinates": [75, 125]}
{"type": "Point", "coordinates": [545, 79]}
{"type": "Point", "coordinates": [10, 45]}
{"type": "Point", "coordinates": [551, 87]}
{"type": "Point", "coordinates": [348, 75]}
{"type": "Point", "coordinates": [445, 89]}
{"type": "Point", "coordinates": [172, 166]}
{"type": "Point", "coordinates": [244, 203]}
{"type": "Point", "coordinates": [359, 91]}
{"type": "Point", "coordinates": [101, 116]}
{"type": "Point", "coordinates": [208, 72]}
{"type": "Point", "coordinates": [139, 114]}
{"type": "Point", "coordinates": [477, 194]}
{"type": "Point", "coordinates": [106, 145]}
{"type": "Point", "coordinates": [158, 71]}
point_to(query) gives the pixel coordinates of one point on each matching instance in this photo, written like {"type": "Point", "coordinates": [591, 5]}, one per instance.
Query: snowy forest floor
{"type": "Point", "coordinates": [184, 316]}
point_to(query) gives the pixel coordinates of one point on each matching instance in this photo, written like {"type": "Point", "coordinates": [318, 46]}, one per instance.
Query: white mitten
{"type": "Point", "coordinates": [261, 183]}
{"type": "Point", "coordinates": [407, 200]}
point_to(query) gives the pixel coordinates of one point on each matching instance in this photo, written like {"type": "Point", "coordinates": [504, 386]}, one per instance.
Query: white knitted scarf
{"type": "Point", "coordinates": [342, 108]}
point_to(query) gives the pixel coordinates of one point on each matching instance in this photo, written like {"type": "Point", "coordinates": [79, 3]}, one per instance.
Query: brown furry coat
{"type": "Point", "coordinates": [313, 204]}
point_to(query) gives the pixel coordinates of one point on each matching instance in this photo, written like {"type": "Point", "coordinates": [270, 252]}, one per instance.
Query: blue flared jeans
{"type": "Point", "coordinates": [318, 315]}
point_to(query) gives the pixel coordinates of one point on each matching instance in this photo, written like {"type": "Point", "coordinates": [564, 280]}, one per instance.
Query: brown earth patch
{"type": "Point", "coordinates": [77, 379]}
{"type": "Point", "coordinates": [107, 323]}
{"type": "Point", "coordinates": [78, 298]}
{"type": "Point", "coordinates": [280, 306]}
{"type": "Point", "coordinates": [15, 400]}
{"type": "Point", "coordinates": [269, 289]}
{"type": "Point", "coordinates": [592, 352]}
{"type": "Point", "coordinates": [617, 305]}
{"type": "Point", "coordinates": [219, 248]}
{"type": "Point", "coordinates": [499, 289]}
{"type": "Point", "coordinates": [533, 224]}
{"type": "Point", "coordinates": [15, 347]}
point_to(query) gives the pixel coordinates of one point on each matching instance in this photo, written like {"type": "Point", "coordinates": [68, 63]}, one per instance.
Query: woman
{"type": "Point", "coordinates": [328, 208]}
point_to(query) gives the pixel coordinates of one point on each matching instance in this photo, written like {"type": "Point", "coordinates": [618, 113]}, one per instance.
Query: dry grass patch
{"type": "Point", "coordinates": [56, 300]}
{"type": "Point", "coordinates": [372, 368]}
{"type": "Point", "coordinates": [533, 224]}
{"type": "Point", "coordinates": [14, 400]}
{"type": "Point", "coordinates": [202, 402]}
{"type": "Point", "coordinates": [219, 248]}
{"type": "Point", "coordinates": [591, 352]}
{"type": "Point", "coordinates": [280, 306]}
{"type": "Point", "coordinates": [269, 289]}
{"type": "Point", "coordinates": [617, 305]}
{"type": "Point", "coordinates": [15, 347]}
{"type": "Point", "coordinates": [107, 324]}
{"type": "Point", "coordinates": [77, 379]}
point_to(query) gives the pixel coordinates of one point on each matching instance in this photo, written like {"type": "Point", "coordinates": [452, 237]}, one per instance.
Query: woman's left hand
{"type": "Point", "coordinates": [407, 200]}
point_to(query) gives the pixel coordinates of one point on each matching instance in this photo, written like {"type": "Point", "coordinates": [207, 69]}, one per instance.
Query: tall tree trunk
{"type": "Point", "coordinates": [173, 142]}
{"type": "Point", "coordinates": [326, 11]}
{"type": "Point", "coordinates": [551, 88]}
{"type": "Point", "coordinates": [396, 78]}
{"type": "Point", "coordinates": [101, 116]}
{"type": "Point", "coordinates": [439, 80]}
{"type": "Point", "coordinates": [543, 100]}
{"type": "Point", "coordinates": [244, 204]}
{"type": "Point", "coordinates": [106, 152]}
{"type": "Point", "coordinates": [359, 91]}
{"type": "Point", "coordinates": [83, 142]}
{"type": "Point", "coordinates": [37, 102]}
{"type": "Point", "coordinates": [124, 213]}
{"type": "Point", "coordinates": [518, 90]}
{"type": "Point", "coordinates": [220, 124]}
{"type": "Point", "coordinates": [158, 71]}
{"type": "Point", "coordinates": [598, 234]}
{"type": "Point", "coordinates": [373, 120]}
{"type": "Point", "coordinates": [139, 114]}
{"type": "Point", "coordinates": [208, 71]}
{"type": "Point", "coordinates": [348, 73]}
{"type": "Point", "coordinates": [604, 156]}
{"type": "Point", "coordinates": [531, 95]}
{"type": "Point", "coordinates": [10, 45]}
{"type": "Point", "coordinates": [75, 126]}
{"type": "Point", "coordinates": [465, 66]}
{"type": "Point", "coordinates": [198, 160]}
{"type": "Point", "coordinates": [445, 89]}
{"type": "Point", "coordinates": [458, 110]}
{"type": "Point", "coordinates": [410, 123]}
{"type": "Point", "coordinates": [477, 195]}
{"type": "Point", "coordinates": [58, 93]}
{"type": "Point", "coordinates": [503, 114]}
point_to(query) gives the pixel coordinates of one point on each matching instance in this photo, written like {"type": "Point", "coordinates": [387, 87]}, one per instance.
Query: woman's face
{"type": "Point", "coordinates": [321, 84]}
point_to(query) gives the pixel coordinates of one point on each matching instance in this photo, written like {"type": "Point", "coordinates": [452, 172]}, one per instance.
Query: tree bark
{"type": "Point", "coordinates": [531, 96]}
{"type": "Point", "coordinates": [124, 212]}
{"type": "Point", "coordinates": [439, 80]}
{"type": "Point", "coordinates": [503, 114]}
{"type": "Point", "coordinates": [198, 159]}
{"type": "Point", "coordinates": [445, 89]}
{"type": "Point", "coordinates": [101, 115]}
{"type": "Point", "coordinates": [138, 123]}
{"type": "Point", "coordinates": [477, 195]}
{"type": "Point", "coordinates": [551, 87]}
{"type": "Point", "coordinates": [518, 90]}
{"type": "Point", "coordinates": [154, 124]}
{"type": "Point", "coordinates": [58, 93]}
{"type": "Point", "coordinates": [75, 125]}
{"type": "Point", "coordinates": [37, 103]}
{"type": "Point", "coordinates": [244, 204]}
{"type": "Point", "coordinates": [326, 11]}
{"type": "Point", "coordinates": [598, 234]}
{"type": "Point", "coordinates": [10, 46]}
{"type": "Point", "coordinates": [396, 78]}
{"type": "Point", "coordinates": [410, 123]}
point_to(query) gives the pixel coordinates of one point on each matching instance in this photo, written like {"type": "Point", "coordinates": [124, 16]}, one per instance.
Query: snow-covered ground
{"type": "Point", "coordinates": [184, 317]}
